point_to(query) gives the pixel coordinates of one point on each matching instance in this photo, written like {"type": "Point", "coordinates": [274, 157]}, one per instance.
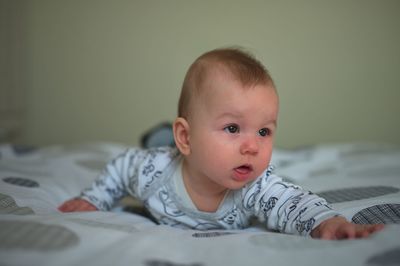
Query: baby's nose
{"type": "Point", "coordinates": [249, 145]}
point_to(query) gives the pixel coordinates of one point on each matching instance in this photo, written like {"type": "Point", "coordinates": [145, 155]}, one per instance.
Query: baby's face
{"type": "Point", "coordinates": [231, 132]}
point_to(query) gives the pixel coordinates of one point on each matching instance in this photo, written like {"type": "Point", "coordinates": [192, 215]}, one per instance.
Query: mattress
{"type": "Point", "coordinates": [361, 180]}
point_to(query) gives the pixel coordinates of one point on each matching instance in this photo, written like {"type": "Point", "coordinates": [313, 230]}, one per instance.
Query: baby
{"type": "Point", "coordinates": [218, 176]}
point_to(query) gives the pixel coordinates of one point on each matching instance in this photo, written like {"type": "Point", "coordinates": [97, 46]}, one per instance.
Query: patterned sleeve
{"type": "Point", "coordinates": [284, 207]}
{"type": "Point", "coordinates": [118, 179]}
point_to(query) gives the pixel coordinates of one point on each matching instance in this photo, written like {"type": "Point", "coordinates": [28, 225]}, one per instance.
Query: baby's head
{"type": "Point", "coordinates": [233, 63]}
{"type": "Point", "coordinates": [226, 120]}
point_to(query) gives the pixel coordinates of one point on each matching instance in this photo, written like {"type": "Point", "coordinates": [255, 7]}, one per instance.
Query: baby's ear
{"type": "Point", "coordinates": [181, 135]}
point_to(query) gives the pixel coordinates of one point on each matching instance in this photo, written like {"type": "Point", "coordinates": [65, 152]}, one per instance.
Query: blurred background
{"type": "Point", "coordinates": [99, 70]}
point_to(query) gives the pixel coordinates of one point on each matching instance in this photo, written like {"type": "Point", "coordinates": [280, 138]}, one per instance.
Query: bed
{"type": "Point", "coordinates": [362, 180]}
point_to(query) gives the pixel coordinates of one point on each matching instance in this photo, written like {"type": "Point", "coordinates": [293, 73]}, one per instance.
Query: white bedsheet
{"type": "Point", "coordinates": [361, 180]}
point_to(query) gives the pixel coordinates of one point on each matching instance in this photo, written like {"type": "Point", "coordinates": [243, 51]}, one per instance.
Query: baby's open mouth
{"type": "Point", "coordinates": [244, 169]}
{"type": "Point", "coordinates": [243, 173]}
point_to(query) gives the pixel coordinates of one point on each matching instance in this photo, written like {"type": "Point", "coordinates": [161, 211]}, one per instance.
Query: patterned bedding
{"type": "Point", "coordinates": [362, 180]}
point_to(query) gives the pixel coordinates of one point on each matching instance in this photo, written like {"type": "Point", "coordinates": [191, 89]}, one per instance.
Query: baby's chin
{"type": "Point", "coordinates": [235, 184]}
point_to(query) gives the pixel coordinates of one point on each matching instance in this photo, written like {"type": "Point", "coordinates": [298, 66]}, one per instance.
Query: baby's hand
{"type": "Point", "coordinates": [77, 205]}
{"type": "Point", "coordinates": [340, 228]}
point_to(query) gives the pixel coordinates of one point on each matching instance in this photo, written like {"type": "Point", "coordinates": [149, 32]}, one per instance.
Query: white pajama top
{"type": "Point", "coordinates": [148, 175]}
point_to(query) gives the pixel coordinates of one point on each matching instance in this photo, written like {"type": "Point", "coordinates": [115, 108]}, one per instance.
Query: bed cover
{"type": "Point", "coordinates": [362, 180]}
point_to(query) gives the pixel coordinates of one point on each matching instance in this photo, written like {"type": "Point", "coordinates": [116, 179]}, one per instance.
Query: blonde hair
{"type": "Point", "coordinates": [240, 64]}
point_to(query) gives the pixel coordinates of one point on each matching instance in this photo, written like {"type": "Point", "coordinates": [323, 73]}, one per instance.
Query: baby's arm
{"type": "Point", "coordinates": [108, 188]}
{"type": "Point", "coordinates": [77, 205]}
{"type": "Point", "coordinates": [340, 228]}
{"type": "Point", "coordinates": [289, 209]}
{"type": "Point", "coordinates": [284, 207]}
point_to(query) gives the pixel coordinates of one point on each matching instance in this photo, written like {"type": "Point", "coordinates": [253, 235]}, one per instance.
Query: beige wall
{"type": "Point", "coordinates": [13, 86]}
{"type": "Point", "coordinates": [108, 70]}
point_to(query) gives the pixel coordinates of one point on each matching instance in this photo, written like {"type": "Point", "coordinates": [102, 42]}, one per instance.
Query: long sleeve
{"type": "Point", "coordinates": [115, 181]}
{"type": "Point", "coordinates": [284, 207]}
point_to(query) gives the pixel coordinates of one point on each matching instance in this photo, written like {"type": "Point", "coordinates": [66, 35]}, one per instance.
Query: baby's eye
{"type": "Point", "coordinates": [264, 132]}
{"type": "Point", "coordinates": [232, 129]}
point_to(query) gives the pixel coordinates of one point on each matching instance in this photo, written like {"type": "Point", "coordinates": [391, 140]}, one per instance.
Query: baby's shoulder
{"type": "Point", "coordinates": [152, 159]}
{"type": "Point", "coordinates": [151, 155]}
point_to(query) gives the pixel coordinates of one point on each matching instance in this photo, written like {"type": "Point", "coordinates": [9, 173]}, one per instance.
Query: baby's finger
{"type": "Point", "coordinates": [377, 227]}
{"type": "Point", "coordinates": [346, 232]}
{"type": "Point", "coordinates": [65, 207]}
{"type": "Point", "coordinates": [362, 232]}
{"type": "Point", "coordinates": [76, 205]}
{"type": "Point", "coordinates": [327, 234]}
{"type": "Point", "coordinates": [372, 228]}
{"type": "Point", "coordinates": [365, 230]}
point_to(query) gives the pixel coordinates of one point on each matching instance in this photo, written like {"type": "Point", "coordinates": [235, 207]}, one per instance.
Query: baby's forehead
{"type": "Point", "coordinates": [220, 90]}
{"type": "Point", "coordinates": [214, 71]}
{"type": "Point", "coordinates": [220, 77]}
